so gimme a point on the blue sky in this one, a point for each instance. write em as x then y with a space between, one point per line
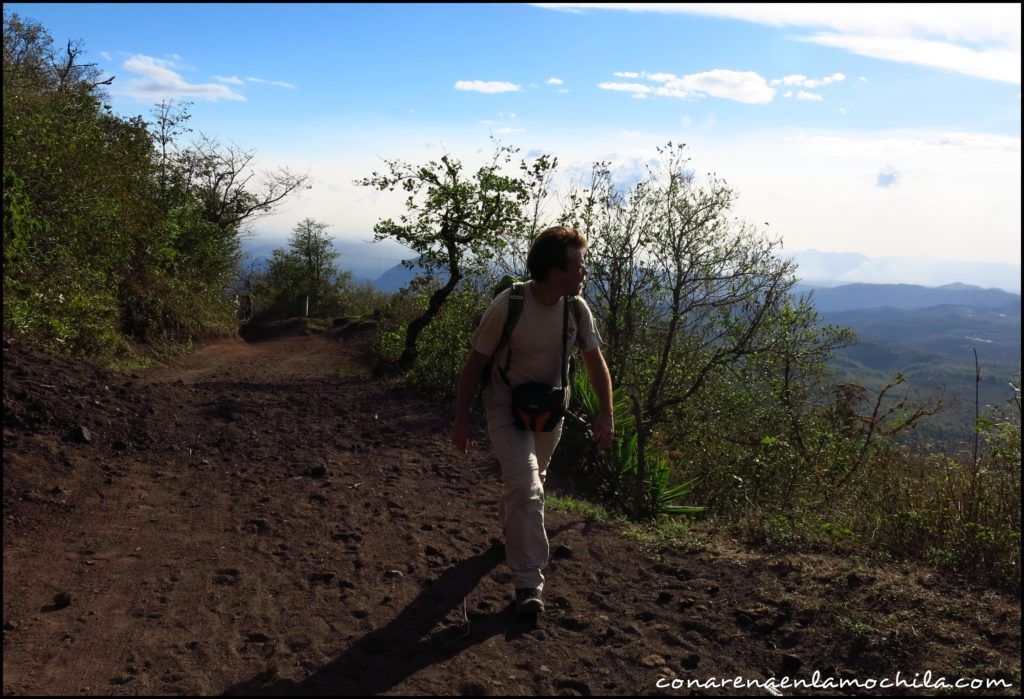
878 129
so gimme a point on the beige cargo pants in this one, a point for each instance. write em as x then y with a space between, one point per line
524 458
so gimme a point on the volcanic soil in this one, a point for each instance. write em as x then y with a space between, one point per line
266 518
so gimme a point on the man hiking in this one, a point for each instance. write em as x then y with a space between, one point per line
526 393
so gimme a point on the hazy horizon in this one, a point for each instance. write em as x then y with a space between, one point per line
369 260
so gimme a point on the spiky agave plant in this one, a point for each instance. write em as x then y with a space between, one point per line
614 471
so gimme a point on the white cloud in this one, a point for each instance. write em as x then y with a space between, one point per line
978 39
105 56
686 122
160 81
710 121
809 96
553 81
788 93
232 80
632 134
625 87
804 81
564 90
277 83
488 88
842 110
509 129
627 74
747 87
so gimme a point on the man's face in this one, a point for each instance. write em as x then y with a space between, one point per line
575 273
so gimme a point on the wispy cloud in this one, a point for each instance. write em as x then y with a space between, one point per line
553 81
1002 65
231 80
489 88
105 56
977 39
159 80
809 96
741 86
276 83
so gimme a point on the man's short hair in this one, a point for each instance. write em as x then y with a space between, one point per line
551 249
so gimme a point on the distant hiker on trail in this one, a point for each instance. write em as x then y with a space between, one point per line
525 373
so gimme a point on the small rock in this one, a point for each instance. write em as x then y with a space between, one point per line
82 434
61 600
653 661
393 574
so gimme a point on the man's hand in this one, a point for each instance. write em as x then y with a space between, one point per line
604 430
462 436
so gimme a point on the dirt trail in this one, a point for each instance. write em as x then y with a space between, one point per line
265 518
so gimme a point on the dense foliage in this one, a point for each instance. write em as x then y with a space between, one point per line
725 400
113 231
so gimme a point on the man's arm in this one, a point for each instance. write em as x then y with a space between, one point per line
471 373
601 380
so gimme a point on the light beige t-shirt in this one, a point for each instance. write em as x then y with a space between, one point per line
535 346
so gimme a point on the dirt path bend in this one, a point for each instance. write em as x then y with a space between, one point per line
265 518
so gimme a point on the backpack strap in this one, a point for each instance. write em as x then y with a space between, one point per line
516 300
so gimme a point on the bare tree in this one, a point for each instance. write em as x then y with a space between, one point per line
220 175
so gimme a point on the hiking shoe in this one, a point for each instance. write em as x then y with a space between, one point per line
528 601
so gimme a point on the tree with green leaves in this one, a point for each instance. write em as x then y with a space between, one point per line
116 230
306 268
453 220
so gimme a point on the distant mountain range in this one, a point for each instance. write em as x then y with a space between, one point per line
905 296
817 268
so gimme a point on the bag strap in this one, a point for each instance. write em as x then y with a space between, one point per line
565 341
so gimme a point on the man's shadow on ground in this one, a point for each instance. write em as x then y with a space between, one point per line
388 656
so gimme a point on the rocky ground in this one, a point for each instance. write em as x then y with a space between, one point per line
266 518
